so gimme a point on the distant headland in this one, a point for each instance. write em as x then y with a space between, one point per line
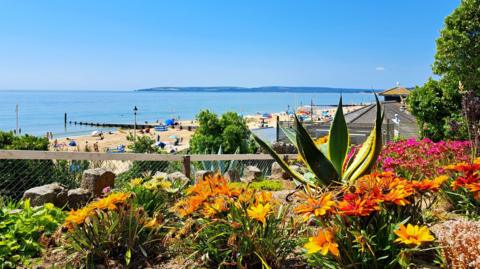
258 89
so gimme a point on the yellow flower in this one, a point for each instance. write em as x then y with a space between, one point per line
413 235
135 182
259 212
151 224
324 242
165 184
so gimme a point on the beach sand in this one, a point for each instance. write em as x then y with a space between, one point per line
119 137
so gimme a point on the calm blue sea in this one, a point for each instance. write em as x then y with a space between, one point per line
42 111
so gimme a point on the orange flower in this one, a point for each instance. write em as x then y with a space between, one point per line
468 174
264 197
219 205
358 206
432 185
317 207
324 243
413 235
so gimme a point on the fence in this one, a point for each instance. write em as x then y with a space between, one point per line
21 170
358 131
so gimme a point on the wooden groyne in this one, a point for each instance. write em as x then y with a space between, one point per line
129 125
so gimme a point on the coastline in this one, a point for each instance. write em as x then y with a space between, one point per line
112 139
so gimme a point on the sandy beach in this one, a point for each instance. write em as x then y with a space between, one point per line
112 140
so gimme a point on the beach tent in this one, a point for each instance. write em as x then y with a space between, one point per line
72 143
170 122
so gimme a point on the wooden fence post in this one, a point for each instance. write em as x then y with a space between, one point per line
277 138
186 165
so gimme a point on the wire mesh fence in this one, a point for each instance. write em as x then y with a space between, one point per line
22 170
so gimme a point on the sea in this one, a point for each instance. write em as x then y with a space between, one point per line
42 111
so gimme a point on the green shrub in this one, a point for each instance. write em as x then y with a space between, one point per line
264 185
21 227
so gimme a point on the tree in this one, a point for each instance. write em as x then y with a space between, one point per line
436 110
458 48
229 132
438 104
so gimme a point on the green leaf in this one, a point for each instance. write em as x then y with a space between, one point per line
280 161
338 140
315 159
128 256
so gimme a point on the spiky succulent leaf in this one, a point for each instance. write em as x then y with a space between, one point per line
296 176
338 140
317 162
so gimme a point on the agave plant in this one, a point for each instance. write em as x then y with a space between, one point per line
223 166
329 162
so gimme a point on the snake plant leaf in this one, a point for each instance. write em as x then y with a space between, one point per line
338 140
296 176
315 159
290 134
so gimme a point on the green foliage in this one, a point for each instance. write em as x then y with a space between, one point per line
33 172
156 194
437 109
143 144
240 242
229 132
126 236
21 227
264 185
458 54
332 165
437 104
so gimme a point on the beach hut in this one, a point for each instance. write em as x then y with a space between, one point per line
396 93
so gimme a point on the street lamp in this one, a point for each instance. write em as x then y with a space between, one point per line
135 109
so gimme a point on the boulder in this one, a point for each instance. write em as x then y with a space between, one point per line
95 180
232 176
178 177
78 198
202 174
251 173
278 172
54 193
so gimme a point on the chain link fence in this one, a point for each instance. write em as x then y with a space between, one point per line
22 170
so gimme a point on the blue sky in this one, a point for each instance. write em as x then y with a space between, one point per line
121 45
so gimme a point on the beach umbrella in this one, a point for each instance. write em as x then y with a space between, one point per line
170 122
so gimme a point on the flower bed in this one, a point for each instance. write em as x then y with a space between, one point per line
383 219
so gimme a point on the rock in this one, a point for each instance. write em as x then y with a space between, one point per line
95 180
232 176
178 176
160 175
78 198
53 193
252 173
278 172
202 174
284 148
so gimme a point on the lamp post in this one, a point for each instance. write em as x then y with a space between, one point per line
135 109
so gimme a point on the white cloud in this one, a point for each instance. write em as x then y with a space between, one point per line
380 68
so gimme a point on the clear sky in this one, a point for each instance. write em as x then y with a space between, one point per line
115 44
